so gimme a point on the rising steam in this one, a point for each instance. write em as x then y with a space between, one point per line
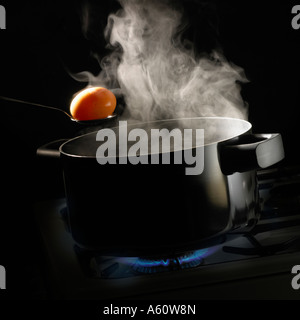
159 73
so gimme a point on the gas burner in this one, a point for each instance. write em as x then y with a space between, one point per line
109 267
187 260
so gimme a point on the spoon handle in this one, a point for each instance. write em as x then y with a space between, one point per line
33 104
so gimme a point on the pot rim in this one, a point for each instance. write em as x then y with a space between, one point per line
135 124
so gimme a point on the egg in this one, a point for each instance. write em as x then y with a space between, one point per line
92 104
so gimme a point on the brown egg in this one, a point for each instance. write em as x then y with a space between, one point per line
92 104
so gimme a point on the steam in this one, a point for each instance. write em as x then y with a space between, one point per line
159 73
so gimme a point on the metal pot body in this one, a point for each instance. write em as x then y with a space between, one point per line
155 209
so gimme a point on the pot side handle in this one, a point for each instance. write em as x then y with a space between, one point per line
50 149
250 151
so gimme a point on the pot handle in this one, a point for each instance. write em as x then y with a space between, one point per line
250 151
50 149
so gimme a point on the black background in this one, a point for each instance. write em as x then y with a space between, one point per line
44 41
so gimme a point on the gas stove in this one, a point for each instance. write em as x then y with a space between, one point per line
254 265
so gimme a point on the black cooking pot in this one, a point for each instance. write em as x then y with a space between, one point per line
153 209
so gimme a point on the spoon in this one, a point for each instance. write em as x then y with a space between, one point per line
83 122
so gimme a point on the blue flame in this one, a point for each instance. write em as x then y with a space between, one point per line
152 263
190 259
199 254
